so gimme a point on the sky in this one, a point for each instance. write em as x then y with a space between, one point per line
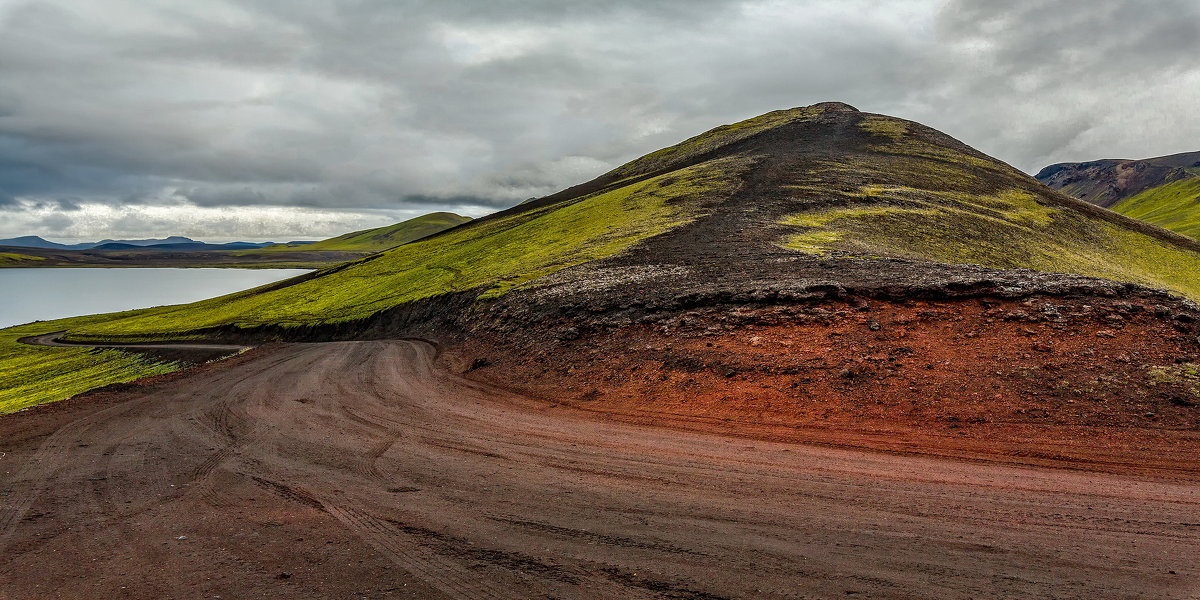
302 119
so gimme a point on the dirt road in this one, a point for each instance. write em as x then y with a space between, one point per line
360 470
51 339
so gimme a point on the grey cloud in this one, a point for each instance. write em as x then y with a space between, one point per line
374 105
56 222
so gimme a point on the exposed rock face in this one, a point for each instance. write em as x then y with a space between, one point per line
1107 182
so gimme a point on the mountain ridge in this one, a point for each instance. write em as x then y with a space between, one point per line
1164 191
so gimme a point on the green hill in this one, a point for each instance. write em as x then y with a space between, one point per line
380 238
818 197
1174 206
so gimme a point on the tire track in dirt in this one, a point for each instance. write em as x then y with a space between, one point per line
296 467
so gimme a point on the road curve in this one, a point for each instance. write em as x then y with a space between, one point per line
51 339
361 470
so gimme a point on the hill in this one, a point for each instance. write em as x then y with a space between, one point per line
774 200
33 241
383 238
815 265
1164 191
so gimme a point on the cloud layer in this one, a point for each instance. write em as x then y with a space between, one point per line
226 120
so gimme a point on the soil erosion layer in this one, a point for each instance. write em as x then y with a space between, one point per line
364 470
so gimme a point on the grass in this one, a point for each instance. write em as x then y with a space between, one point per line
32 375
1174 206
378 239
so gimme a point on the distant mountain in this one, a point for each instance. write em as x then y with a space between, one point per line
174 239
175 242
33 241
1108 181
1164 191
182 246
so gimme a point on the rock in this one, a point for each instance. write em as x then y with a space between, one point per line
1106 333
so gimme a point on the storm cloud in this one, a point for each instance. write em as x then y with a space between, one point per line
286 118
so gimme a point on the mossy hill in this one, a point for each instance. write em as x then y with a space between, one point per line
379 238
1164 191
818 197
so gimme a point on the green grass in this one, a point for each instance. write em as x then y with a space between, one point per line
378 239
1174 206
492 256
32 375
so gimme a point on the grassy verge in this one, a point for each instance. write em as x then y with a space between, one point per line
32 375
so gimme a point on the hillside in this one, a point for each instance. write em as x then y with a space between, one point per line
797 267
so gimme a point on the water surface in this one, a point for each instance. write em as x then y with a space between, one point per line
43 294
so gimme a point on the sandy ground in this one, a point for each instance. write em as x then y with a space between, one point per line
361 470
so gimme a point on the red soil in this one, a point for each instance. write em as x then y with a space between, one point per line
1046 381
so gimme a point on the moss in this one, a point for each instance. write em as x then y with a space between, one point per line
691 148
1185 375
884 126
1174 206
1009 229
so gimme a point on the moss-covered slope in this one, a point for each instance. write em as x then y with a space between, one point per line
915 198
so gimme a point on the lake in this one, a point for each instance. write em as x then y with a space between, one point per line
43 294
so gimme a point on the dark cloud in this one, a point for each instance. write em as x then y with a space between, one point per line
373 108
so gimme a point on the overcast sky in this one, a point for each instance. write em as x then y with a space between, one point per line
301 119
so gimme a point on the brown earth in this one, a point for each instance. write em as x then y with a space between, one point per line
364 470
1038 381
